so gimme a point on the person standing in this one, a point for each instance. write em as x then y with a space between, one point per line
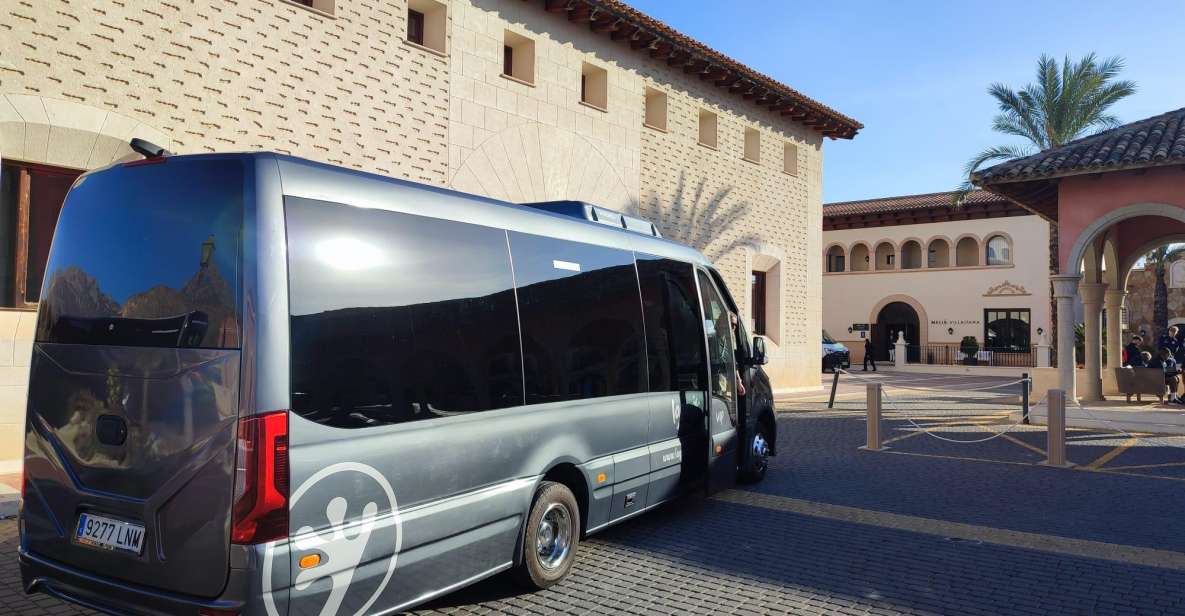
1168 340
869 354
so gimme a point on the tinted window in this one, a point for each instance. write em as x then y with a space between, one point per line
398 317
721 343
581 319
148 255
674 338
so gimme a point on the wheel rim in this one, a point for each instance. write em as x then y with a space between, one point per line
553 537
760 452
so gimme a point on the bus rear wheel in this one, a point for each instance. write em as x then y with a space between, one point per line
550 537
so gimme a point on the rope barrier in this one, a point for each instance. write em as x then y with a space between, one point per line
956 440
902 412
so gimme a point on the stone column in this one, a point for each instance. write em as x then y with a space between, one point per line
1092 305
1065 289
1113 302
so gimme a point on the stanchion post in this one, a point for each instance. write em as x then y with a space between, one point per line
1025 384
1055 448
874 418
834 384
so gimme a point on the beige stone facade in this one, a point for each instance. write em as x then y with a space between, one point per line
341 83
979 272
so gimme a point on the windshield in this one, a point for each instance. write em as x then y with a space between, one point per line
148 255
827 339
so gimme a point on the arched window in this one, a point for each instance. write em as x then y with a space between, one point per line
911 255
1177 275
999 251
860 260
886 256
967 252
938 255
835 259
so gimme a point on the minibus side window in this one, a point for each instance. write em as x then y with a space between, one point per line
396 317
581 319
674 338
721 342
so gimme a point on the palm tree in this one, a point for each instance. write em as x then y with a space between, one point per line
1159 260
1068 101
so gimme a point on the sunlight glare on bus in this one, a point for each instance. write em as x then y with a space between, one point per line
350 254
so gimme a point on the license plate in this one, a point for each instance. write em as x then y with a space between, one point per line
110 534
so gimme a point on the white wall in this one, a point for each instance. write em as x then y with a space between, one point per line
953 297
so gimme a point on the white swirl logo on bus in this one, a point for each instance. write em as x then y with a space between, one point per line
357 531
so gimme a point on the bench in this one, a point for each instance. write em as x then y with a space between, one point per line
1138 381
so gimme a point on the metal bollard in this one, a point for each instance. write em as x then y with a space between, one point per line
1055 448
834 385
1025 385
874 418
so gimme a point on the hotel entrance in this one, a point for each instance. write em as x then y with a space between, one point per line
895 318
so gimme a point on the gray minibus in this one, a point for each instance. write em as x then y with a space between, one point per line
263 385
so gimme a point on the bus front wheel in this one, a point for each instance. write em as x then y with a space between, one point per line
550 537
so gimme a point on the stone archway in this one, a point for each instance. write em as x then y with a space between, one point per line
533 162
62 133
1092 231
921 320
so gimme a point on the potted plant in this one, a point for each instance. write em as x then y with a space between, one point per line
970 348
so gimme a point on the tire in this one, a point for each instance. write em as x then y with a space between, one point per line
549 549
757 458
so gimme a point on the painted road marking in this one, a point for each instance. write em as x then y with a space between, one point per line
1013 439
1111 455
1137 466
1130 554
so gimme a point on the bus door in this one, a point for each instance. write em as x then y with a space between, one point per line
722 395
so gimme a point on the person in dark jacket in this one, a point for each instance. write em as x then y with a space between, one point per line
1172 374
1168 340
869 354
1133 353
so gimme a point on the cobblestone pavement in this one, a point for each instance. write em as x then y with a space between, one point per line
1029 540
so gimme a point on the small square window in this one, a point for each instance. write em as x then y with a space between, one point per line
594 86
707 128
656 109
427 24
753 145
323 6
415 26
790 159
518 57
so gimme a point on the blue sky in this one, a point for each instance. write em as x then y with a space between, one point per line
916 73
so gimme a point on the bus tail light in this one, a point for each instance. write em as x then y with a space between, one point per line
260 512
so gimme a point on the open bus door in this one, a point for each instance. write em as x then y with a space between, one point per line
721 409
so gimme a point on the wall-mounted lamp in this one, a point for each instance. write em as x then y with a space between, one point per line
1040 331
950 331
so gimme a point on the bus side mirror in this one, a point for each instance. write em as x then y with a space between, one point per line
759 358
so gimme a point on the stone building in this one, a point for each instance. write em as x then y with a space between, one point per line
913 265
1141 300
523 101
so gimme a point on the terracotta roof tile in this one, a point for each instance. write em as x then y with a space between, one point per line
906 203
817 115
1152 142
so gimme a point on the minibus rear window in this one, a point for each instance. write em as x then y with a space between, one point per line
148 255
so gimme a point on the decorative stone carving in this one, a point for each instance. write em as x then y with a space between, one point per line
1007 289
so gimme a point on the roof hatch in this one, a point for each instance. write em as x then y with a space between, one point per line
599 215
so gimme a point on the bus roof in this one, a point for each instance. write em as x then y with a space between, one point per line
324 182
